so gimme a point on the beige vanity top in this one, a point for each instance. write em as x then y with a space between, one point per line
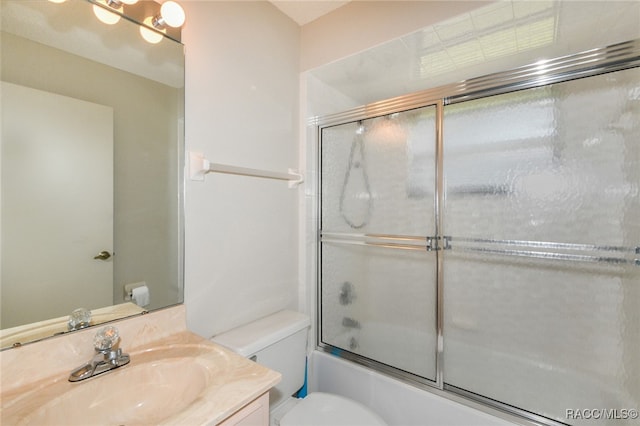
43 329
174 378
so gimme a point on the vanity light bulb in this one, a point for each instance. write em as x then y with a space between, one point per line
129 2
172 14
59 1
105 16
149 35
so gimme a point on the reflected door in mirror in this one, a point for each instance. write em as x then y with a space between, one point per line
57 204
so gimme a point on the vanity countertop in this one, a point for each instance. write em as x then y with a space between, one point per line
216 382
56 326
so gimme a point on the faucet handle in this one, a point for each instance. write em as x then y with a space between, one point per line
79 318
106 338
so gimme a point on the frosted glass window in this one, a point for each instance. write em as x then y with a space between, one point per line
542 290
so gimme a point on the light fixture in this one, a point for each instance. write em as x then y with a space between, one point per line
171 15
156 19
116 4
57 1
148 34
106 16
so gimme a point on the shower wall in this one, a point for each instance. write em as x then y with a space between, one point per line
537 256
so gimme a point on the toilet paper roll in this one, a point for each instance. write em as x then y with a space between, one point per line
140 296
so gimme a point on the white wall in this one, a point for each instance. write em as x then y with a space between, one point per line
241 238
469 43
361 25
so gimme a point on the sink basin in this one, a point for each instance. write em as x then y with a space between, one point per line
145 391
158 384
174 378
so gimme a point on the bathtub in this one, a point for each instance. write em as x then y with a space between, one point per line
398 403
402 404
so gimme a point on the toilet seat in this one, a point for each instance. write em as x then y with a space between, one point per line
325 409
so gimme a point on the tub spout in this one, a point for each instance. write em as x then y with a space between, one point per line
350 322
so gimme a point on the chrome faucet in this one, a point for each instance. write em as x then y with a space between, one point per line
106 359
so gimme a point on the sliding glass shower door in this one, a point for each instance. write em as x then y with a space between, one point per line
542 218
378 292
490 247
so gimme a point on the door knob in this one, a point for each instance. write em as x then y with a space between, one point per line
103 255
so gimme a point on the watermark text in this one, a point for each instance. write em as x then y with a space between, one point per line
601 413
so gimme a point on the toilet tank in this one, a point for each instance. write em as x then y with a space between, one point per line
279 342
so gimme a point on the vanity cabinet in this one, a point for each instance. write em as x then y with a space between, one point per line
255 413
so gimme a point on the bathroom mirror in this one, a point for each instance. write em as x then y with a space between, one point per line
92 148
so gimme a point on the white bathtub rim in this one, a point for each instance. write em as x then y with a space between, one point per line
450 400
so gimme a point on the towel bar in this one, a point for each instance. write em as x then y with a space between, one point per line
199 166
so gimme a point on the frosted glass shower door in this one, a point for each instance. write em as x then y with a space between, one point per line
378 279
542 218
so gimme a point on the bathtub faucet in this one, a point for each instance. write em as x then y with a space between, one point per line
346 293
350 322
106 359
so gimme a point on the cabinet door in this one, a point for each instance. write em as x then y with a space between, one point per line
253 414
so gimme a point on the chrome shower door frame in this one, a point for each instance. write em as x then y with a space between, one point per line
589 63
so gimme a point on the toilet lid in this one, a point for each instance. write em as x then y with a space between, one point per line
324 409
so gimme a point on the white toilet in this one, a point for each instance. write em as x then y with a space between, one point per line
279 342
